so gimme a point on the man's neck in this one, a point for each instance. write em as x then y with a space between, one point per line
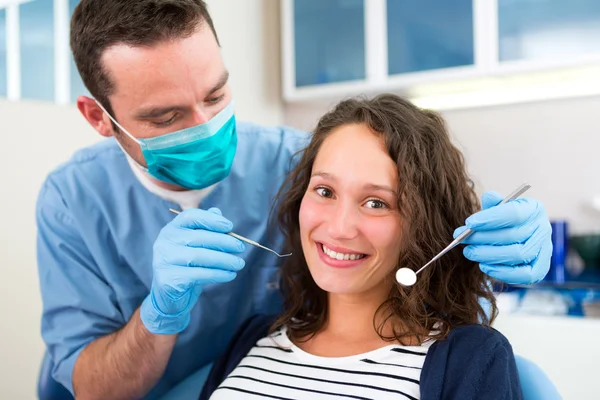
161 184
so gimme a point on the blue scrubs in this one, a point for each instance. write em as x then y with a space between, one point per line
96 228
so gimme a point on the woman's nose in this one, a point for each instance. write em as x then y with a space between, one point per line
343 221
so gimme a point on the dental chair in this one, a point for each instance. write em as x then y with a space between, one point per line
535 383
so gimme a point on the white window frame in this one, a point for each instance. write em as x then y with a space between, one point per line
62 54
13 53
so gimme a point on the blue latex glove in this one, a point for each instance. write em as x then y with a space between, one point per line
512 242
190 252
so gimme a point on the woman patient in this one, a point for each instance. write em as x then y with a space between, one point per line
380 187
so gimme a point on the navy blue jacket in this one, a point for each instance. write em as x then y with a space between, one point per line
474 362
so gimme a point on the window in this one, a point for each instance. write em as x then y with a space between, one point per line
329 41
37 50
429 34
548 29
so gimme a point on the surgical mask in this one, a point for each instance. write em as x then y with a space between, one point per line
193 158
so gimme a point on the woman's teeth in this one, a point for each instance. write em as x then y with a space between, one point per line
341 256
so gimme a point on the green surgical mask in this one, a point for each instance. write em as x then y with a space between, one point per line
193 158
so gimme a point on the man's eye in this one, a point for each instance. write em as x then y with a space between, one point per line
167 122
324 192
215 100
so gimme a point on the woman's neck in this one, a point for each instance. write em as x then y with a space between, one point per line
353 316
351 325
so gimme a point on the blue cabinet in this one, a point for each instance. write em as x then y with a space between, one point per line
37 50
429 34
329 41
548 29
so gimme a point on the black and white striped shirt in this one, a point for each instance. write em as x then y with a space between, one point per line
277 369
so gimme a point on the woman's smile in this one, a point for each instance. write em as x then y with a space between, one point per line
339 257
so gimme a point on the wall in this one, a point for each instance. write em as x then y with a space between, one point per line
249 34
553 145
553 343
39 136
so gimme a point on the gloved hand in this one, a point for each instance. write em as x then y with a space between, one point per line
512 242
191 251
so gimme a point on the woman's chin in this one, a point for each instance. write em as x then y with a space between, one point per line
336 284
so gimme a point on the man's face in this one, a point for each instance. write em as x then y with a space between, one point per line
167 87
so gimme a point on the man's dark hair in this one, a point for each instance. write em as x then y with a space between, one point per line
99 24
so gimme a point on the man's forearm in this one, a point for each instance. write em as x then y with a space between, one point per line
122 365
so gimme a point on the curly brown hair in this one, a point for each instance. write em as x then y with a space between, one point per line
435 196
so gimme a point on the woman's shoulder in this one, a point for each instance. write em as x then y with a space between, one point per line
259 322
466 360
477 332
254 329
474 338
466 344
463 343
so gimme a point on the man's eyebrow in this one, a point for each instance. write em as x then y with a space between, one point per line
157 112
222 82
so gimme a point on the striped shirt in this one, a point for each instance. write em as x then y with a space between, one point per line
277 369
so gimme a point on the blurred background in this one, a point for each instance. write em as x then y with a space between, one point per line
518 82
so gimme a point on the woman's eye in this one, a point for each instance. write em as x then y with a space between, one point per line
376 204
324 192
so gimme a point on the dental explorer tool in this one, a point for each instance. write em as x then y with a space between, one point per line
243 239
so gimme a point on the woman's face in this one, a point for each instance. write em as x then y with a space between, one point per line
349 221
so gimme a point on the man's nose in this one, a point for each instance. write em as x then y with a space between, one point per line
200 116
343 221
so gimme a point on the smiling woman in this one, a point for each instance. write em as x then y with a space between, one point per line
380 187
382 179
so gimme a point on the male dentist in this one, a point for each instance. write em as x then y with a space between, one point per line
135 299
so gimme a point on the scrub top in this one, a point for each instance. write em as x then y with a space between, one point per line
97 224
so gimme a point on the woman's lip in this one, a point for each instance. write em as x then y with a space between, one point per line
335 262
